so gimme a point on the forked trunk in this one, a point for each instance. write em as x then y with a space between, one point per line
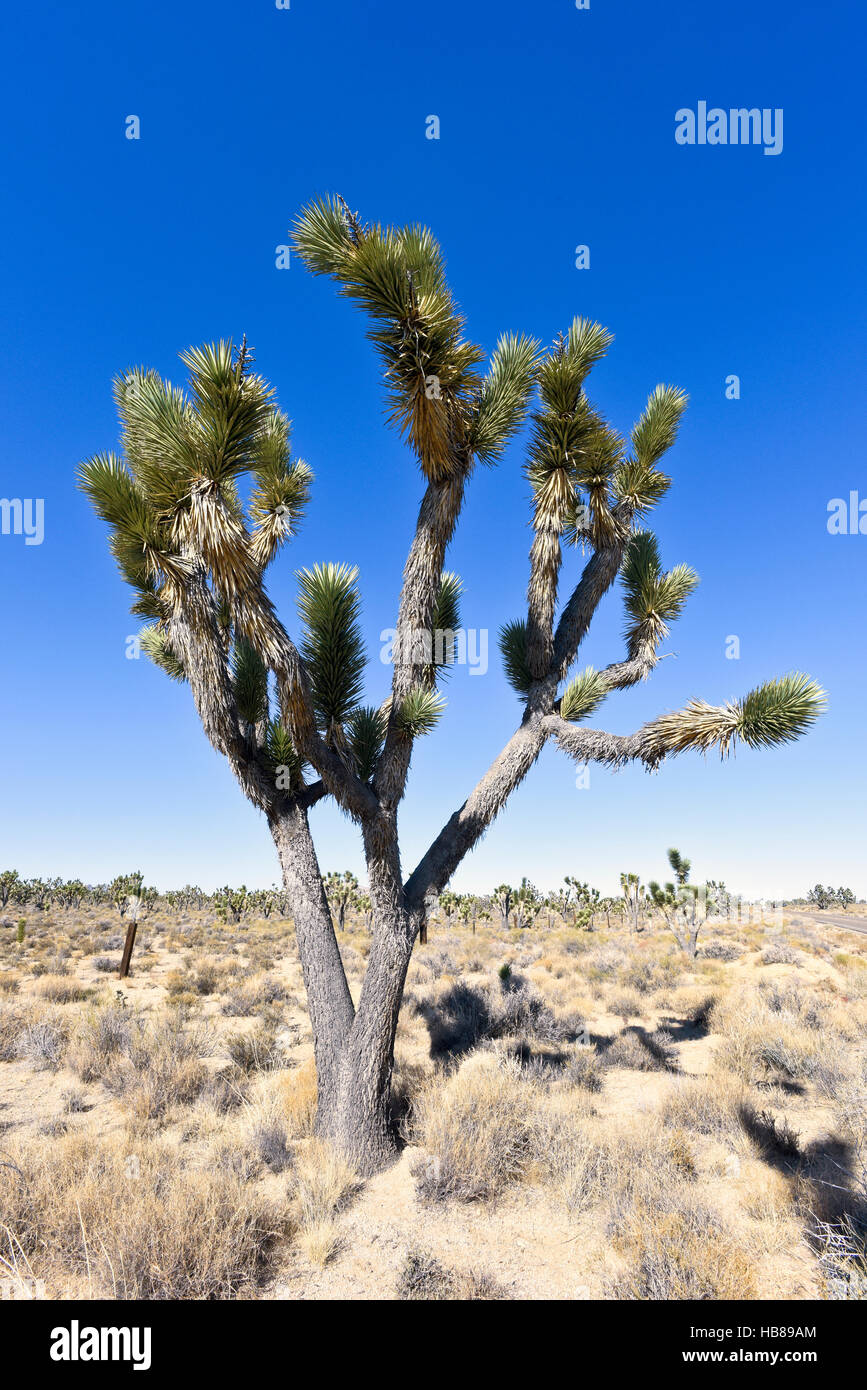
354 1050
360 1123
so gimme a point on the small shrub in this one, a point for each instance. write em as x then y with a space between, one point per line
59 989
780 953
721 950
636 1050
322 1185
477 1130
679 1249
584 1069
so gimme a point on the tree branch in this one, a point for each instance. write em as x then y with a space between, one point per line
599 574
467 825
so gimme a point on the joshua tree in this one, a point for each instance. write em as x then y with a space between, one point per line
821 897
469 909
9 881
528 903
634 895
678 903
341 889
449 905
198 559
503 898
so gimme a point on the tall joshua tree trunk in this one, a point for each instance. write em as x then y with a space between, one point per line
353 1049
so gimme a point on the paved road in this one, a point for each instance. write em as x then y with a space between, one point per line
849 920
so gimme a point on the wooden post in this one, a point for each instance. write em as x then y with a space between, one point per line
127 949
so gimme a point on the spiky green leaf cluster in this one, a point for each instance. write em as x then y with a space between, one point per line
249 682
573 451
397 275
445 622
656 430
365 729
503 397
513 646
419 712
172 499
583 695
281 753
637 481
777 712
282 489
653 598
781 710
332 647
156 645
566 425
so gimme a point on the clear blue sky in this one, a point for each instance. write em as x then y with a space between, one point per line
557 129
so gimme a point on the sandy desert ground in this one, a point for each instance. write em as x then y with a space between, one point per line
583 1115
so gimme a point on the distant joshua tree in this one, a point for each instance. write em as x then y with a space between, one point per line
288 714
341 890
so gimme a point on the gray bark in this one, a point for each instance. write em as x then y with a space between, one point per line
328 999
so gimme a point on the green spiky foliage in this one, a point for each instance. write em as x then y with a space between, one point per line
502 401
420 712
573 450
777 712
281 492
283 757
365 730
681 867
171 496
638 481
445 621
513 646
573 454
583 695
653 598
397 275
333 648
156 645
249 682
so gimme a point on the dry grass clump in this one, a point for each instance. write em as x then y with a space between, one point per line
322 1186
478 1130
635 1049
712 1107
626 1004
648 974
299 1099
842 1253
261 1050
256 1139
159 1066
466 1014
584 1069
32 1033
604 963
423 1277
677 1247
59 989
103 1034
763 1038
89 1216
248 998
